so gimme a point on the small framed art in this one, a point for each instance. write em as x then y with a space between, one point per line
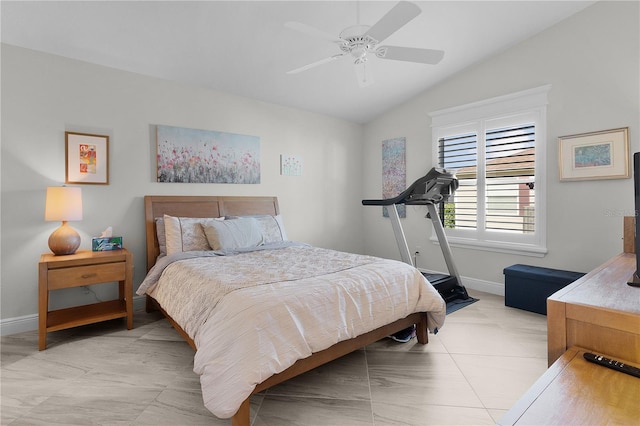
290 165
596 155
87 158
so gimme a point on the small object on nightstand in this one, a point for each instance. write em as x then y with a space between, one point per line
106 244
82 269
106 241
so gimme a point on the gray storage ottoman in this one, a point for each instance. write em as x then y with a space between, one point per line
527 287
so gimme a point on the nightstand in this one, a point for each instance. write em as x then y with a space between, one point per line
81 269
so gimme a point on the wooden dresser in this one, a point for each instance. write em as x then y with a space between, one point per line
574 391
599 311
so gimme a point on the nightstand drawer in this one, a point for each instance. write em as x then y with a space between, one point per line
86 275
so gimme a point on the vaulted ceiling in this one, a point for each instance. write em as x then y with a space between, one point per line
244 47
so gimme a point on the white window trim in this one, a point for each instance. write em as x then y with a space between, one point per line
501 107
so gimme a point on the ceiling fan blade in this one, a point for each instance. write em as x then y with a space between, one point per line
311 31
396 18
315 64
364 74
410 54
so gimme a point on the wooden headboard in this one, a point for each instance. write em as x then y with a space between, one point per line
198 206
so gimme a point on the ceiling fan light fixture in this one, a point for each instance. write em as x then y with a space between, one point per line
361 59
359 52
359 40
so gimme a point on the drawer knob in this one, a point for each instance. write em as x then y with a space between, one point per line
85 276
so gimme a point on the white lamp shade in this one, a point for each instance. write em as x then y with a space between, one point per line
63 203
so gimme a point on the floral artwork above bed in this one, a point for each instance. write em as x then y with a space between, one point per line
206 156
394 172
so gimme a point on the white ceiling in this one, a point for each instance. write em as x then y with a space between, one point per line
243 47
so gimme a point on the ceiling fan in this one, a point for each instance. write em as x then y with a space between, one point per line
362 41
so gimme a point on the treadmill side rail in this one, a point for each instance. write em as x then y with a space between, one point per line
405 254
444 246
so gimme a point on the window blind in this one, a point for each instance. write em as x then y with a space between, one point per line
510 179
504 170
460 153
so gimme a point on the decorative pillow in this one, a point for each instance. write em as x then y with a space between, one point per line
162 239
272 227
233 234
186 233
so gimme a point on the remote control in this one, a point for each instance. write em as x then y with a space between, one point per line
613 364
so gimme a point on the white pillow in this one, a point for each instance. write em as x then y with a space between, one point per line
272 227
233 234
186 233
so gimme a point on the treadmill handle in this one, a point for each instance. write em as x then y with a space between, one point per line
385 202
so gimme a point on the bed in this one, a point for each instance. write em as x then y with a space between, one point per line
394 298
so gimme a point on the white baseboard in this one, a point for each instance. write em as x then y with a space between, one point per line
17 325
476 284
484 286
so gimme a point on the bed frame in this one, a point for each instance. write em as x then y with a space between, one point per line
213 206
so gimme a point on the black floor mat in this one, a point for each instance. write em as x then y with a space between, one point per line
457 304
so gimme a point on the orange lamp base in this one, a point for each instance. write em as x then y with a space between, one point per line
64 240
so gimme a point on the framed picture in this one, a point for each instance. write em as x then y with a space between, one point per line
290 165
596 155
206 156
87 158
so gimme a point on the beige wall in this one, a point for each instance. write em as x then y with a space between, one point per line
44 95
592 61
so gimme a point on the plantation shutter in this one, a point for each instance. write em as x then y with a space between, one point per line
510 179
507 178
460 153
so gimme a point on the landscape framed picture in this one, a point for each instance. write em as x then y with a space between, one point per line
87 158
187 155
595 155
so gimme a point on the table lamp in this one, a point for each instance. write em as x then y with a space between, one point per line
63 204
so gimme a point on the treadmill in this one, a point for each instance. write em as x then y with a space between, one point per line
434 187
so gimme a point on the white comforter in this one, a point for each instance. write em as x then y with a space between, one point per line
254 314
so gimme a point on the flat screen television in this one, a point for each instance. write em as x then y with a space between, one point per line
635 279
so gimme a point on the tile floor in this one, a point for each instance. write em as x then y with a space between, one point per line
483 359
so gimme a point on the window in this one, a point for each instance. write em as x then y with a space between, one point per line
497 149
